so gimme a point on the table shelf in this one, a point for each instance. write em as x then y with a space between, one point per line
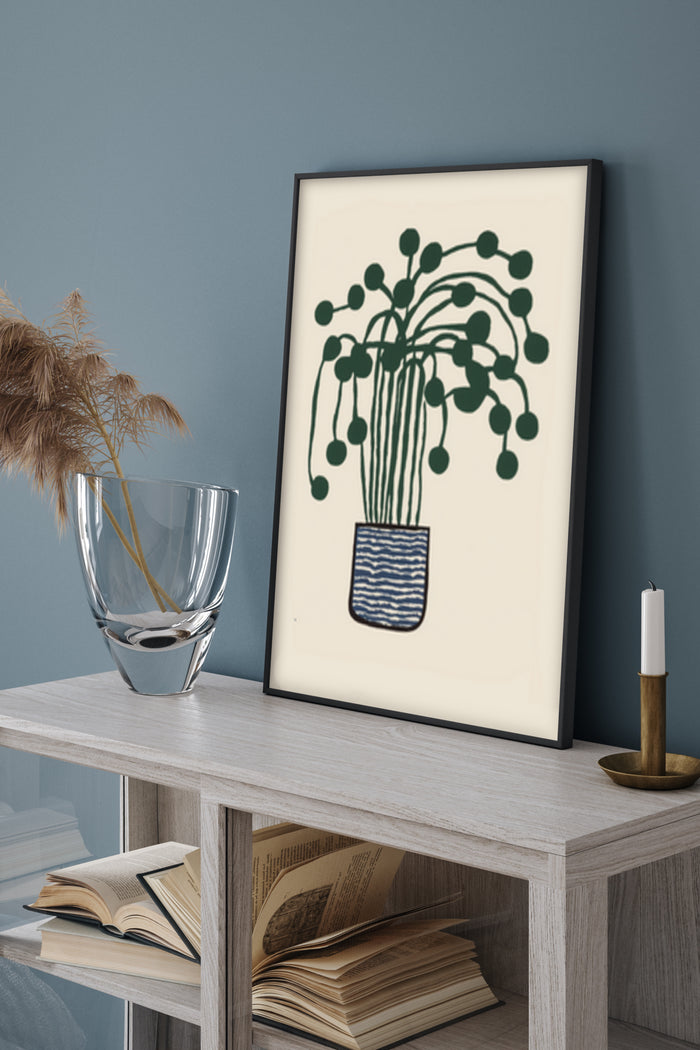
548 820
22 944
505 1028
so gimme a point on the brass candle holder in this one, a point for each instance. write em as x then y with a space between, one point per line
652 768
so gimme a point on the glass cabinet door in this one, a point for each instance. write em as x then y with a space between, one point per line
52 814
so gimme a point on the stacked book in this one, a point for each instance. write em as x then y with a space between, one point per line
104 916
327 961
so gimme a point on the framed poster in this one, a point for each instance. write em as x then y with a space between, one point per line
427 535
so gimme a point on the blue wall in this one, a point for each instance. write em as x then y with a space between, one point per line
148 151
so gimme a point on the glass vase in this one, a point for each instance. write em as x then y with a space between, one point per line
155 557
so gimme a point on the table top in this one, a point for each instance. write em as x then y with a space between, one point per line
522 794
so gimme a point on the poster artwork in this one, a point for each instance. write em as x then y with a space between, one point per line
446 339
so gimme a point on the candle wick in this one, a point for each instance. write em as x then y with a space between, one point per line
652 585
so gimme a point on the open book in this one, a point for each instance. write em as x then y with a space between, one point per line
376 989
326 961
107 893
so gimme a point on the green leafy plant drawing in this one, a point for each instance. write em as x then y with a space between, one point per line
438 318
447 339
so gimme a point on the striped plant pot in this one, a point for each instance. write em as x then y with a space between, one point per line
389 576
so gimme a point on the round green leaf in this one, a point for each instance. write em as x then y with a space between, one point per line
438 459
356 296
503 367
487 244
374 277
435 391
527 426
431 257
319 487
324 312
463 293
520 302
336 452
409 242
343 369
507 465
536 348
357 430
520 265
403 292
499 419
478 327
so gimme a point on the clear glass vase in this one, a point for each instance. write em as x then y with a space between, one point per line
155 557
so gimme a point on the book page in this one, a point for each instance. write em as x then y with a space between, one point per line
193 867
346 955
178 890
282 846
145 919
330 893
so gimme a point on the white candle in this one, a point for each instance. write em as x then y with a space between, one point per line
653 632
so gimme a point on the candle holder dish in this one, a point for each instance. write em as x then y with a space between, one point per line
652 768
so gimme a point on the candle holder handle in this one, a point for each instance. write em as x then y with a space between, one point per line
652 698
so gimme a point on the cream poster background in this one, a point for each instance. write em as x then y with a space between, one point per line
488 652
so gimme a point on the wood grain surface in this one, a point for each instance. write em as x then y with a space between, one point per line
531 836
501 790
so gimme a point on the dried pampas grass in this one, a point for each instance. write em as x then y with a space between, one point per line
63 406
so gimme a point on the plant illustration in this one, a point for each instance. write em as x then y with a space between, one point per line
447 338
64 408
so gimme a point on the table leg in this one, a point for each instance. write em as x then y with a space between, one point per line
227 892
568 964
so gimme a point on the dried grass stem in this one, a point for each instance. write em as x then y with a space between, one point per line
65 409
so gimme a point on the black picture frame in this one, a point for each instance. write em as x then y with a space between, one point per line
423 303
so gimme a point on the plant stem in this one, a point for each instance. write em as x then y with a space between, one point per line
129 549
138 555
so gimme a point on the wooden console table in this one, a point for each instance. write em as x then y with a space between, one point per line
551 818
